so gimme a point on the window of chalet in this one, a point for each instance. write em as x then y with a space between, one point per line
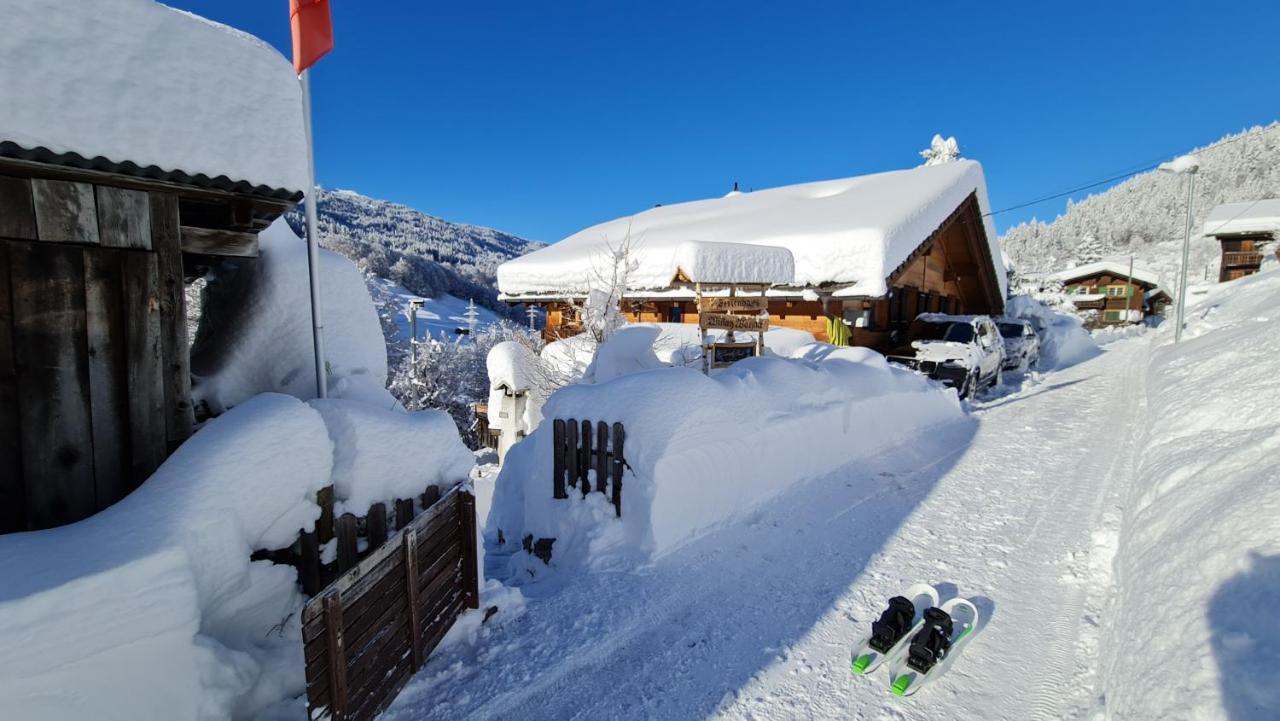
1117 291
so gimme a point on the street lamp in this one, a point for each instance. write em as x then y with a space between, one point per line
1184 165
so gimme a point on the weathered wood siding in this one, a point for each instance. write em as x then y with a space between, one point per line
94 380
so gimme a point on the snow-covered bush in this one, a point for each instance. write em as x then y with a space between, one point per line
1198 567
255 331
941 150
704 450
451 375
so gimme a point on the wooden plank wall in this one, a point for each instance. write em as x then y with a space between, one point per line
94 379
367 633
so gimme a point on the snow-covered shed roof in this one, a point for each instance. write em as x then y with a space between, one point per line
1251 216
1113 267
133 86
849 231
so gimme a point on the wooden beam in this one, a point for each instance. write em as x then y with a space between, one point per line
13 514
207 241
17 209
165 240
124 218
53 382
144 363
108 392
65 212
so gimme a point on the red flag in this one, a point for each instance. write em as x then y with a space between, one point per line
312 31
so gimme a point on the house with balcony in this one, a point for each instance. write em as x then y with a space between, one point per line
1246 231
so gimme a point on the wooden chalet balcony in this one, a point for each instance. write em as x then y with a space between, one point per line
1242 258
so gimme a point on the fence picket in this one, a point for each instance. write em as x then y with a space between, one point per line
557 459
571 451
347 548
376 525
584 459
602 456
619 436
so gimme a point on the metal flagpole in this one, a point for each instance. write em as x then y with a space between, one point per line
313 242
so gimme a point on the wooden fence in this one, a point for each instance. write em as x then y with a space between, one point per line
374 626
575 456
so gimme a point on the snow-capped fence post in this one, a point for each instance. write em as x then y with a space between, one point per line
584 463
619 463
557 461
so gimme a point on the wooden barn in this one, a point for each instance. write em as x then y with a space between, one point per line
1245 231
118 182
1118 294
871 252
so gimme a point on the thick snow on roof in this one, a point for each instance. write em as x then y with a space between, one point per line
854 230
1114 267
1252 216
135 81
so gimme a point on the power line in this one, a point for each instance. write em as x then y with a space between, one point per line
1152 165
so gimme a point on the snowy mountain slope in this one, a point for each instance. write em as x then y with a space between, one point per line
424 254
1146 215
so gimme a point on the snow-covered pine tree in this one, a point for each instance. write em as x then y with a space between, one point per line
941 150
1090 250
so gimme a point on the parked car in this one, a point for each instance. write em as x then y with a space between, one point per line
1021 343
962 351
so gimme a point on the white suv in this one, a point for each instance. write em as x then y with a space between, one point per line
965 352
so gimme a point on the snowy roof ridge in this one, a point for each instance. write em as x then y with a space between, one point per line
851 231
1250 216
1115 267
136 87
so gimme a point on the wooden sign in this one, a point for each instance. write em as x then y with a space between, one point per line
723 354
724 321
742 302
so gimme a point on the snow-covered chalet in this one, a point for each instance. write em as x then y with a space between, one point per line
871 252
1113 292
1245 231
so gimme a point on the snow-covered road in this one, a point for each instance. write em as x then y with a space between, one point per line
1014 508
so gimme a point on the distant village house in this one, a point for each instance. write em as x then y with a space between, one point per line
1116 294
1245 231
870 253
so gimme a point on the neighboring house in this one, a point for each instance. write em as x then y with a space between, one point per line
1244 230
139 146
870 251
1116 294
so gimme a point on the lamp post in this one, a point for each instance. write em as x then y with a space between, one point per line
1184 165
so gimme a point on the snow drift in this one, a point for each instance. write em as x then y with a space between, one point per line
151 609
1063 340
135 81
705 450
255 331
1198 568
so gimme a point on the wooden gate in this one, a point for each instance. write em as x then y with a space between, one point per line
575 456
373 627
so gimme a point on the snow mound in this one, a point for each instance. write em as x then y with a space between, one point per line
151 608
703 451
1198 565
382 455
133 80
853 230
1063 340
628 350
255 334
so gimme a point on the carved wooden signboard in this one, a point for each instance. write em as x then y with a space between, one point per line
736 303
724 321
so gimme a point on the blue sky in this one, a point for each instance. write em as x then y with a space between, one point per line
540 118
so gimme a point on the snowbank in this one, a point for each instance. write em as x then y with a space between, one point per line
1063 340
133 80
705 450
1194 634
854 230
255 334
381 455
151 609
628 350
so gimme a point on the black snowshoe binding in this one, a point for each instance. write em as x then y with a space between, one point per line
893 624
932 643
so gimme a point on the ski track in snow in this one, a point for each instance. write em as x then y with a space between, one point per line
755 621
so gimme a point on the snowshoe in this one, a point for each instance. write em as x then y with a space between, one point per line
892 632
933 648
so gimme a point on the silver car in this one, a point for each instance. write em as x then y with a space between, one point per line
1021 344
